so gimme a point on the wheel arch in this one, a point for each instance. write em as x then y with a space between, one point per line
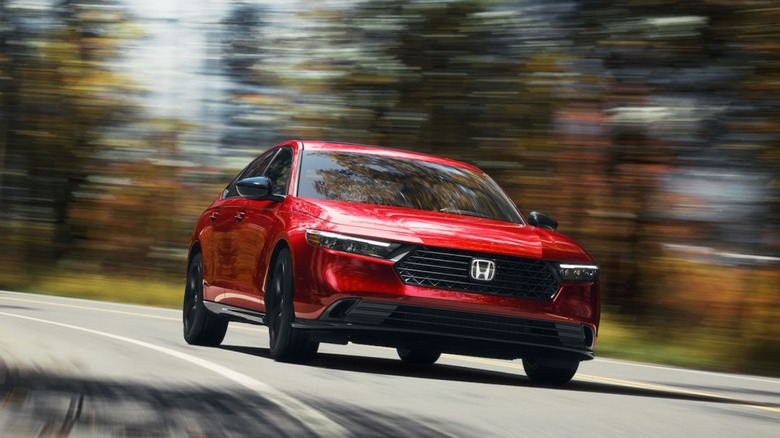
194 249
278 247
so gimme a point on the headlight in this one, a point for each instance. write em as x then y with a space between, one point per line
355 245
571 272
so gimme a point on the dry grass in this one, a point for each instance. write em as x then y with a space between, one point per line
153 291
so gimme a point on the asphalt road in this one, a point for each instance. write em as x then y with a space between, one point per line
83 368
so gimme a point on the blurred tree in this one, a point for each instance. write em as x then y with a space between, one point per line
437 53
243 41
250 119
7 94
60 95
677 109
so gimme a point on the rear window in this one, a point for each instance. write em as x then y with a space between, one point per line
391 181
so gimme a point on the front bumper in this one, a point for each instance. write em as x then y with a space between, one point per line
451 331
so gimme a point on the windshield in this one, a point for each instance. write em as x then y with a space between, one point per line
383 180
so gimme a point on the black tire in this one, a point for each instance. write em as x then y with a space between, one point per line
418 356
550 371
287 344
201 327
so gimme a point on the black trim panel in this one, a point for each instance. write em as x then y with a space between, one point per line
234 313
480 334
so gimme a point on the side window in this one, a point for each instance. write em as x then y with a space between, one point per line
279 171
255 168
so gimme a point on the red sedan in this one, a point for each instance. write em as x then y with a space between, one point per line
343 243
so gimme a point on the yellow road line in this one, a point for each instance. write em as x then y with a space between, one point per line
74 306
675 390
120 312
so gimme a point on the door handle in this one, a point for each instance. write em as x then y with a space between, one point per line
213 216
240 216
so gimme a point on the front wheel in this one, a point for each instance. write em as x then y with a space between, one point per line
201 327
550 370
287 344
418 356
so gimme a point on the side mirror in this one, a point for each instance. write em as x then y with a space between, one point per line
542 221
258 187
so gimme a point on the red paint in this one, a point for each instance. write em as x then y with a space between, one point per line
237 251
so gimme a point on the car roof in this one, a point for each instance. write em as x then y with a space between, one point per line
378 150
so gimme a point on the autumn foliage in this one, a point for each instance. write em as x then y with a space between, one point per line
648 128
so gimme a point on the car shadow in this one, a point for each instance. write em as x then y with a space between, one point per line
12 307
394 367
439 371
45 403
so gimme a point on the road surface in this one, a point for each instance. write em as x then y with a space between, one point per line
73 367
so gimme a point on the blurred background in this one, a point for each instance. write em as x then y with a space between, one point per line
649 128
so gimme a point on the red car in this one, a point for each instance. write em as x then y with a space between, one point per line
343 243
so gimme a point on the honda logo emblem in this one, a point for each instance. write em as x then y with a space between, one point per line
482 269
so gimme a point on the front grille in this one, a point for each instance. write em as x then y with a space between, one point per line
449 269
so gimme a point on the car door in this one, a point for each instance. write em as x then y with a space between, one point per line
216 251
251 236
224 219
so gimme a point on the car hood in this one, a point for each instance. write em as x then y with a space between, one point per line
444 230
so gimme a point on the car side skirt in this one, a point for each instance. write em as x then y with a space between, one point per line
234 313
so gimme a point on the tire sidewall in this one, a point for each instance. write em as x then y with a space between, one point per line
550 371
281 303
196 313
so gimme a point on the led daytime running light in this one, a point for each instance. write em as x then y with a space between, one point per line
578 272
351 244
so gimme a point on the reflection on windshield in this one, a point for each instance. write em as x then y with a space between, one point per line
383 180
